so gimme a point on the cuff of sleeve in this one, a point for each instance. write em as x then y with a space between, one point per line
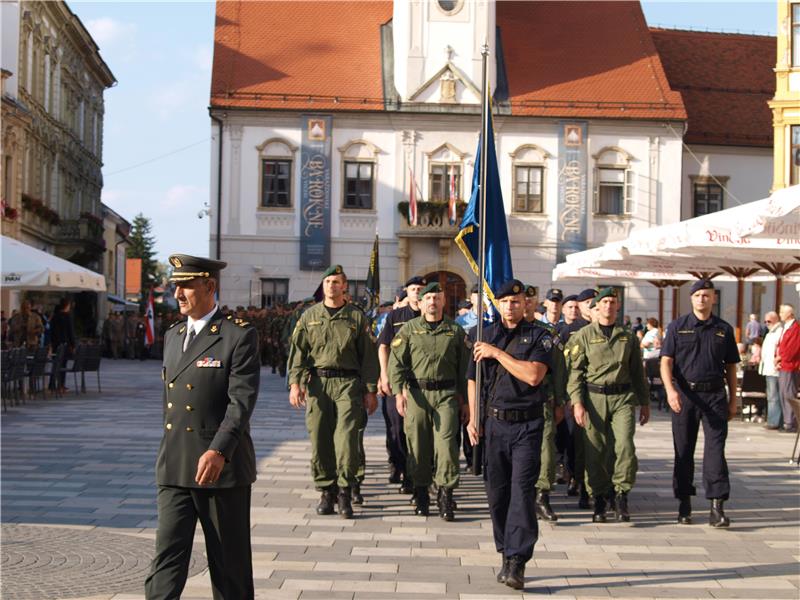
372 388
225 444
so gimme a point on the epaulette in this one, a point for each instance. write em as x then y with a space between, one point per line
175 323
543 325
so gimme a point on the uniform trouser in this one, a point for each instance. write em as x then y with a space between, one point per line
788 381
334 415
224 515
774 410
611 426
511 453
576 460
547 467
710 408
431 425
362 455
395 436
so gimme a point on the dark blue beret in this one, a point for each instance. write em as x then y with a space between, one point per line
587 294
416 280
554 294
702 284
510 288
570 298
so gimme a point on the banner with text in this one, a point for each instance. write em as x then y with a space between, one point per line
573 166
315 192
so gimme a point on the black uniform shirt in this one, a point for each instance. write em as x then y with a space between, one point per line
700 349
394 321
565 330
533 344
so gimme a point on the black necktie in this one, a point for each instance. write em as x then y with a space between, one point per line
189 337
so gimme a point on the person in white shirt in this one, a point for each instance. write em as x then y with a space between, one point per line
769 370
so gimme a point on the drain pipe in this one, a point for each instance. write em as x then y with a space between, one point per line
219 188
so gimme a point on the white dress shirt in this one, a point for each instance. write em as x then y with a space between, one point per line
197 325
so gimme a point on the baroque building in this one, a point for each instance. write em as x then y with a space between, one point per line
54 80
601 124
786 103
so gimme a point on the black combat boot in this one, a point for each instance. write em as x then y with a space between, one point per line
395 476
503 573
327 500
446 504
685 510
407 486
543 509
572 488
717 517
356 494
599 515
621 507
584 501
516 572
345 503
423 501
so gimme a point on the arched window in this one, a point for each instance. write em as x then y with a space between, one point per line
614 191
359 174
275 156
529 170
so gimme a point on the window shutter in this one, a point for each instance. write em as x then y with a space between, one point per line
596 194
630 193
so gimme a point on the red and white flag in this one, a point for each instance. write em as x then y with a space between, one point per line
149 321
412 199
451 203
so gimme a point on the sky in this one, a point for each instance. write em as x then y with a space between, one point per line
157 140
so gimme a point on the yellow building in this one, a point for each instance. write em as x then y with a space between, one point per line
786 103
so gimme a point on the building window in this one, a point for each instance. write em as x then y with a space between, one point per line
613 192
359 185
796 35
276 177
794 154
707 198
274 292
445 181
528 189
358 290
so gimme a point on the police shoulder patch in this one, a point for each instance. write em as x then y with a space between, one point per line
397 341
547 342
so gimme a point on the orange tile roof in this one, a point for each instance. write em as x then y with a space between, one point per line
726 81
562 59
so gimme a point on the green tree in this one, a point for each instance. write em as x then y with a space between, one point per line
142 245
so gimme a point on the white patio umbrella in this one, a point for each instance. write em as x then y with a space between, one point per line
25 267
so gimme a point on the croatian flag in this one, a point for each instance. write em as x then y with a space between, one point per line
451 204
149 321
412 199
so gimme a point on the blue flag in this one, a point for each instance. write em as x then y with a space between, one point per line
497 262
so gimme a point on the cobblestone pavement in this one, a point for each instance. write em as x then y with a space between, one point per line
78 514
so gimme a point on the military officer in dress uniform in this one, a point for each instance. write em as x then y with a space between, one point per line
396 443
206 463
427 369
698 357
515 357
606 382
332 372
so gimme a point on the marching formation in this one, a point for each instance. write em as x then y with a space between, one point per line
561 379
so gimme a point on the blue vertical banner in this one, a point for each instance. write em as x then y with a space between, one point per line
315 192
573 205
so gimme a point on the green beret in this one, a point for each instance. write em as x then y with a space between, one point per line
432 288
608 292
186 267
333 270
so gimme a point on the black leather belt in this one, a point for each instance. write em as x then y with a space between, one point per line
706 386
614 388
431 384
517 415
334 372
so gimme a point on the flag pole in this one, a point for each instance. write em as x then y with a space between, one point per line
476 457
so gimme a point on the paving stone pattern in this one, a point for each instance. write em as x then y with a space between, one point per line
78 514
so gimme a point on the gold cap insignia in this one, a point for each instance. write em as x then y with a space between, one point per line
176 262
338 270
516 289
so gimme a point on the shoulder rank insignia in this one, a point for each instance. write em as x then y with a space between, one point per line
182 329
214 328
174 324
720 333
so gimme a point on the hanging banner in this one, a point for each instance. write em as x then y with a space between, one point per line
573 208
315 192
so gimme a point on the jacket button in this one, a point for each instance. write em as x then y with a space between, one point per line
169 404
189 407
189 386
189 429
169 425
171 385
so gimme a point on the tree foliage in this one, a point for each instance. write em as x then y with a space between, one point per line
142 245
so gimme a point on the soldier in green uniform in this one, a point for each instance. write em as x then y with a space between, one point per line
427 370
333 373
206 463
606 382
555 384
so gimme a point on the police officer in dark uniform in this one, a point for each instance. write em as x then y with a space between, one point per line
206 463
395 434
515 357
698 357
